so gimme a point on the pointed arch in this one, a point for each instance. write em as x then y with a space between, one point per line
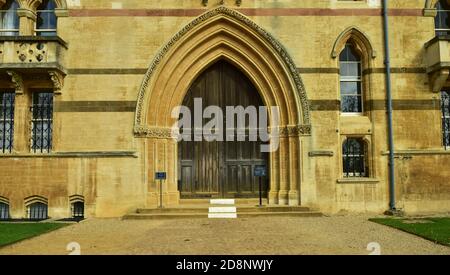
4 200
35 199
76 198
359 38
221 33
431 4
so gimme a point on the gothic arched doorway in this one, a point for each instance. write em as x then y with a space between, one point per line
221 168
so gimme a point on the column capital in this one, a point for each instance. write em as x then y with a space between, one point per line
28 13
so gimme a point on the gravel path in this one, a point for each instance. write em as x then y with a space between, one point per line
274 235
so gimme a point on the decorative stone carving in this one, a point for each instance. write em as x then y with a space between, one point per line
205 2
58 81
224 11
29 4
17 80
294 130
31 52
438 79
238 3
154 132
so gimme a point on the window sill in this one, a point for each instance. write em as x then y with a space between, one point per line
358 181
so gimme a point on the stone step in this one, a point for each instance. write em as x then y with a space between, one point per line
161 216
229 209
222 215
208 201
222 202
205 209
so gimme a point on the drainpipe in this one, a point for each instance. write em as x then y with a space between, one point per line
387 63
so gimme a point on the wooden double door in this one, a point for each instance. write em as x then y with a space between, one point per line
221 168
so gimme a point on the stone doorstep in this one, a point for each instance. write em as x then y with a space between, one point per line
203 211
200 209
167 216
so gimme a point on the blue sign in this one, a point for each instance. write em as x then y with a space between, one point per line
161 175
260 171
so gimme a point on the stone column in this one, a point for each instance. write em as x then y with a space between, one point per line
27 21
294 170
27 15
162 157
283 195
274 177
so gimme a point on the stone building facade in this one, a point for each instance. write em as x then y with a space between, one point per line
88 89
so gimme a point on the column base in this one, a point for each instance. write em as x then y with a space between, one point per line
294 198
283 197
273 197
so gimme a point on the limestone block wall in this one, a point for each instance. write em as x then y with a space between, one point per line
110 46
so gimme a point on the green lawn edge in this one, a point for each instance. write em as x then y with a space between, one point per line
55 226
398 224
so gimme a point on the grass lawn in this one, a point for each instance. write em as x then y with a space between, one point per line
433 229
14 232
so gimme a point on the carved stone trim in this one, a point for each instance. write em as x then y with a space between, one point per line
31 5
154 132
17 80
222 10
295 130
58 81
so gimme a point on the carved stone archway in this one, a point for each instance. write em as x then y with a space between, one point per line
223 33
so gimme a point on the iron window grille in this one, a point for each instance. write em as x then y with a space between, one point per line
46 21
9 19
7 122
42 122
4 211
446 118
38 211
78 210
442 20
355 158
351 81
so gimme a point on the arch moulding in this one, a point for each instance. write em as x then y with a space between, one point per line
223 34
359 37
233 44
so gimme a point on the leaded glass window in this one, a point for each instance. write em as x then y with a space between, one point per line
442 20
78 210
355 158
42 122
38 211
6 121
351 81
4 211
46 21
446 117
9 19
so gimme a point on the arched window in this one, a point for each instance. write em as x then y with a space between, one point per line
442 21
46 21
7 99
78 210
445 98
355 162
4 211
37 211
9 19
351 80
